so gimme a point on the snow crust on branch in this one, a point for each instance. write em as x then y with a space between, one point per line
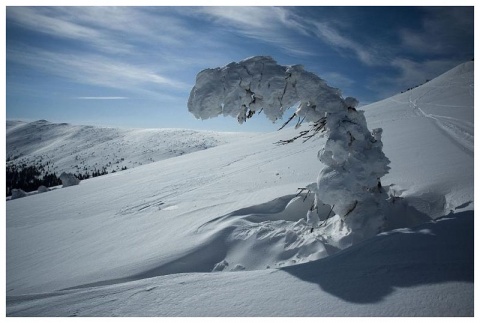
354 159
259 83
353 155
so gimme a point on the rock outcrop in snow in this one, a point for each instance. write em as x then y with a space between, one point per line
353 155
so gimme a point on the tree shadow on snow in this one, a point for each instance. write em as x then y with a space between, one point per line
432 253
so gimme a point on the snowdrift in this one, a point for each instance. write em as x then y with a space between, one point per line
424 271
220 231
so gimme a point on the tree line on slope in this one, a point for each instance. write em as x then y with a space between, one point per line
31 177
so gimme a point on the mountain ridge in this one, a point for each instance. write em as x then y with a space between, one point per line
61 147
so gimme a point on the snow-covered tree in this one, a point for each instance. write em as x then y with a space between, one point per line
68 179
42 189
18 193
353 155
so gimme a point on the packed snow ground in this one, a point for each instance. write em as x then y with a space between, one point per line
79 149
220 232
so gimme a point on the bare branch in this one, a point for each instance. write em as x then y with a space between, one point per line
328 216
353 208
299 122
315 128
287 122
301 191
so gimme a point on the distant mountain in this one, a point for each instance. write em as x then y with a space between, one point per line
61 147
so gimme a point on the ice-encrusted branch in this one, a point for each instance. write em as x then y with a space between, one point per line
227 90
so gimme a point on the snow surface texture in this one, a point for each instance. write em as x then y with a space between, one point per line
144 242
353 156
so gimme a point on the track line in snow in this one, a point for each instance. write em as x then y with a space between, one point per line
455 129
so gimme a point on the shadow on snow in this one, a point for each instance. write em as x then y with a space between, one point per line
432 253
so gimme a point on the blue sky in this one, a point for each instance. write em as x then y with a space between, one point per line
135 66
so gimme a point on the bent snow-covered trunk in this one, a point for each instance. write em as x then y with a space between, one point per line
352 154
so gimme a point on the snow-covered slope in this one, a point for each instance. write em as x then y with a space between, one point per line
146 240
80 149
429 138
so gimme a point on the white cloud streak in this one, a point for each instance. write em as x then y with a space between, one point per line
47 21
281 26
117 47
106 29
111 41
333 37
93 69
273 25
101 98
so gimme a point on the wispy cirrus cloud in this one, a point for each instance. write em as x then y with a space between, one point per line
49 21
157 51
282 26
105 29
274 25
93 69
101 98
332 36
166 33
130 48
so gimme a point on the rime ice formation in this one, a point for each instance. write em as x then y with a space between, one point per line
259 83
352 154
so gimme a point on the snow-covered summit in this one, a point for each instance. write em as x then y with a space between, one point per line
79 149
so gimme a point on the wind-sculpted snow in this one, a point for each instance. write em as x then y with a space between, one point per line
422 271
